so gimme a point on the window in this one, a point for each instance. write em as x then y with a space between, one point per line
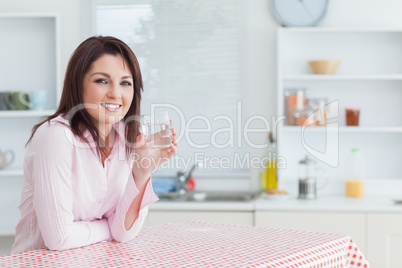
190 53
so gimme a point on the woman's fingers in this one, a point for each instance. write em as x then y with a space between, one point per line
172 151
141 140
174 134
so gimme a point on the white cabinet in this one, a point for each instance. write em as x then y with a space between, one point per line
229 217
384 240
369 77
29 52
351 224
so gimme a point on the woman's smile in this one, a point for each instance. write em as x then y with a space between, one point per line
111 107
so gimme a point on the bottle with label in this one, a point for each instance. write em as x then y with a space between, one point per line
355 174
268 175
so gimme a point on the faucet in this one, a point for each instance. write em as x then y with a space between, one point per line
182 178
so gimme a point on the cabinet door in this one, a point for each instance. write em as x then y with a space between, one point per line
241 218
5 244
353 225
384 239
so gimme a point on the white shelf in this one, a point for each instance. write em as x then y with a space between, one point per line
369 78
327 77
346 129
25 113
11 173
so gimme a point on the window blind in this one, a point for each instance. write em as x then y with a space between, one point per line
190 54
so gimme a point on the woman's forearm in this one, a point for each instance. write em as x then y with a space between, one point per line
141 179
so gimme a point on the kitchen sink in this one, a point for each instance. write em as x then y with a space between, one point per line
208 196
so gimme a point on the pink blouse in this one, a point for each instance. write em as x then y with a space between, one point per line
69 199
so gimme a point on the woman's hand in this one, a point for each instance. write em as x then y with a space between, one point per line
147 160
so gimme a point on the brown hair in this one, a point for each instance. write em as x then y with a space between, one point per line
80 63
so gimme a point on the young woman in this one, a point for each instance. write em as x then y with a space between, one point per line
84 177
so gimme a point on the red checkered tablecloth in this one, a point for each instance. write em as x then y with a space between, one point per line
204 244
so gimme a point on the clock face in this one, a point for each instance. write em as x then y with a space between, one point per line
299 12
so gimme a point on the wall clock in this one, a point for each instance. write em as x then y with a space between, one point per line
299 13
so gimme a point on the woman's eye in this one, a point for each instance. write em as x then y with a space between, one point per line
101 81
126 83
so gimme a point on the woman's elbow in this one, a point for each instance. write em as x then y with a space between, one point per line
56 247
123 237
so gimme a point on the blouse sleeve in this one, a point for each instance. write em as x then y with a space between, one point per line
51 150
117 217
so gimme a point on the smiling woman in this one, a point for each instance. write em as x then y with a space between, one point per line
108 91
82 185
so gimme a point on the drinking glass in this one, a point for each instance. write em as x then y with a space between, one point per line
156 129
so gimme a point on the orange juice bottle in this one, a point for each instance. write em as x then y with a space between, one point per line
355 174
354 188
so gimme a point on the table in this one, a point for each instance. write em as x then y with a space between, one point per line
204 244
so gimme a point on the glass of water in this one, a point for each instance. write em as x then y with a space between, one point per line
157 131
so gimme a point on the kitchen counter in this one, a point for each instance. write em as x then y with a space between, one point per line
330 203
334 203
201 205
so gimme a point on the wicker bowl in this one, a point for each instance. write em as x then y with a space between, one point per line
324 66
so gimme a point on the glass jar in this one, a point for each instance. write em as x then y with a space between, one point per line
352 116
320 110
295 100
313 114
305 117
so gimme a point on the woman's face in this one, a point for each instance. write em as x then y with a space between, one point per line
108 91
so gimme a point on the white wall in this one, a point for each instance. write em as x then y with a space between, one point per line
363 13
